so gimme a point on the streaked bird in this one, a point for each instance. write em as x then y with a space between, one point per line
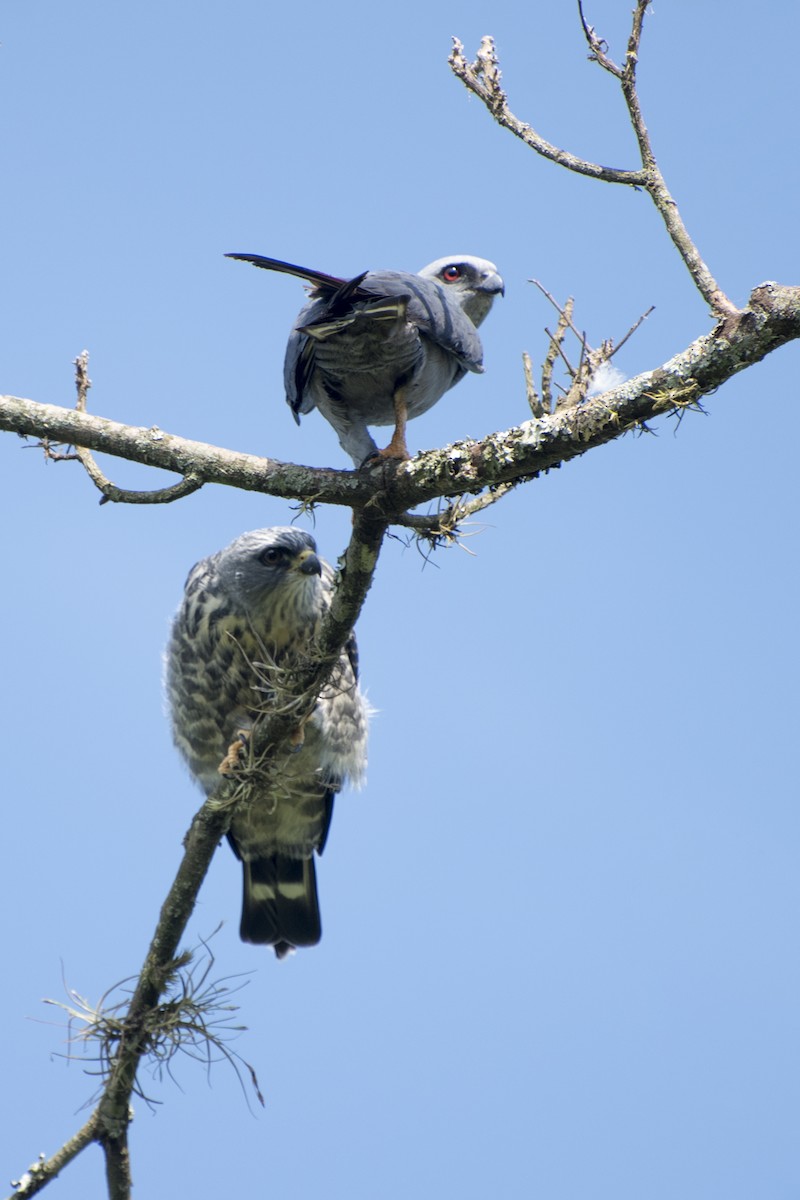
383 347
248 614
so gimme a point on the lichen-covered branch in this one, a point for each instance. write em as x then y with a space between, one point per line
154 447
118 1166
389 491
471 475
109 490
40 1173
771 320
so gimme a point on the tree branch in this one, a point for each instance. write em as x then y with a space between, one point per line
482 78
155 448
109 1123
771 320
110 491
118 1166
380 496
213 820
39 1174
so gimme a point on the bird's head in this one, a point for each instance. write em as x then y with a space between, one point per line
269 563
474 282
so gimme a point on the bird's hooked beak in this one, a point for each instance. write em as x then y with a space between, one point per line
493 285
307 563
477 305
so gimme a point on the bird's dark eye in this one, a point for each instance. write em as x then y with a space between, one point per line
451 274
272 556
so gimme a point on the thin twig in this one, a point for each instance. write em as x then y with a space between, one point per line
445 526
590 361
569 304
190 482
534 402
598 46
554 350
482 77
618 345
656 185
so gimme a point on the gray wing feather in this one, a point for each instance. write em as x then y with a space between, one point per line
299 361
435 313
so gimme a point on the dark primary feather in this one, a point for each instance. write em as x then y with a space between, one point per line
318 278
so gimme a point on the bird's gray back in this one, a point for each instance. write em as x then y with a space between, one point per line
361 366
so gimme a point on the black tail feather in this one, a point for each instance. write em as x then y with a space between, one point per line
280 907
318 278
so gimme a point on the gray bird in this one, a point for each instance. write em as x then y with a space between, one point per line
249 613
385 346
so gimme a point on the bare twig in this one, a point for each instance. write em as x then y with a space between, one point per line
534 403
555 348
598 47
618 345
568 307
482 77
590 361
190 483
445 527
720 305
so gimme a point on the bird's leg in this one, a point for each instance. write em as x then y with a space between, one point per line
397 447
298 736
237 747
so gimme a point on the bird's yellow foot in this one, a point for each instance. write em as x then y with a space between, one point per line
298 737
237 747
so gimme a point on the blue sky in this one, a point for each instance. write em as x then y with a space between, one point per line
560 951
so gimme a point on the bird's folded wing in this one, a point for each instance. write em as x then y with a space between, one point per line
437 315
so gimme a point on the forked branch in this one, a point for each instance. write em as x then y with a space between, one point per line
483 78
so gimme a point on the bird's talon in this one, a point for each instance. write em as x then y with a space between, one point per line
298 737
237 747
383 337
394 454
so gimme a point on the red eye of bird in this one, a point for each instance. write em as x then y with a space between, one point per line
451 274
